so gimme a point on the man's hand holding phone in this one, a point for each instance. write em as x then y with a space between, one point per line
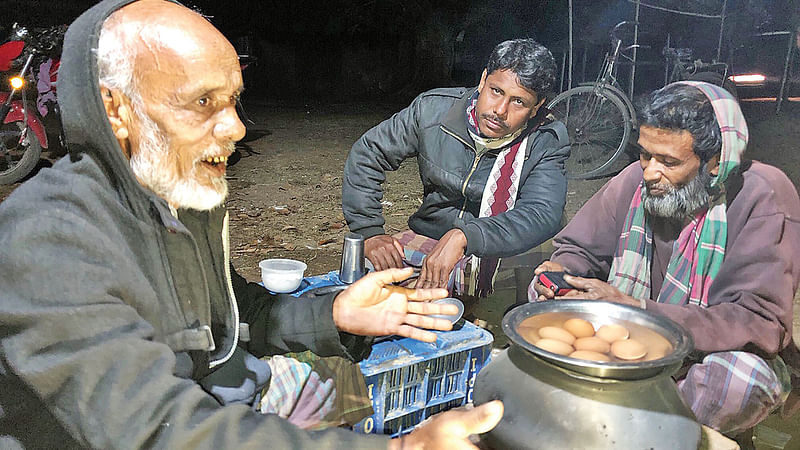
549 282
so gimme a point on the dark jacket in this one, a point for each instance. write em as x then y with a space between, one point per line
112 309
433 129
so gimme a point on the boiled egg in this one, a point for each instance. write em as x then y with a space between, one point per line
554 346
579 328
613 332
592 344
557 333
589 355
628 349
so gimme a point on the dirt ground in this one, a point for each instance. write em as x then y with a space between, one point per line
286 190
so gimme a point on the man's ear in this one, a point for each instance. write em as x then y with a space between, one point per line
118 111
713 165
483 81
535 109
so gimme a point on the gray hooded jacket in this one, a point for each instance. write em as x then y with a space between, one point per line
112 310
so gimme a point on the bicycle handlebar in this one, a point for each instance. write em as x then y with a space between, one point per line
620 25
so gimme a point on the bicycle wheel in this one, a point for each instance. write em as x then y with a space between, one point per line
599 126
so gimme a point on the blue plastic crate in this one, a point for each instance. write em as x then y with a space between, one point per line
408 380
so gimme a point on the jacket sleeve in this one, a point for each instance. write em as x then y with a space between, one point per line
282 324
381 148
537 212
70 337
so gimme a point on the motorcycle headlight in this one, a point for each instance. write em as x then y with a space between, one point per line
17 82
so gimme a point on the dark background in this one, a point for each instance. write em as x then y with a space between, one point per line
337 51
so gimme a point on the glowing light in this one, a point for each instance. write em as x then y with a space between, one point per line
749 78
16 82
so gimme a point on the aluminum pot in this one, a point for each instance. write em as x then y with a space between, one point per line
556 402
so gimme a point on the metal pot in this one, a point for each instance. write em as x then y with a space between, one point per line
558 402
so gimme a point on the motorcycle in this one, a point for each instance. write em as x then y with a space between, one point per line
22 131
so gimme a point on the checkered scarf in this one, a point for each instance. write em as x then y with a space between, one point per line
499 194
700 248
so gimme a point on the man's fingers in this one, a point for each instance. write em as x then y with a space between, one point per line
399 247
578 282
431 308
421 295
395 255
428 323
416 333
392 275
424 274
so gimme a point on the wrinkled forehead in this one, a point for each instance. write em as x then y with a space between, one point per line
175 48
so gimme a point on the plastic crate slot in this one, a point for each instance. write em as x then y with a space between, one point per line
453 382
403 424
436 387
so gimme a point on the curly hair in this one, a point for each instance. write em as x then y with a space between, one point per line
684 107
532 62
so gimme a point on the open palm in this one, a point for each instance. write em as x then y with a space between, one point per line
374 306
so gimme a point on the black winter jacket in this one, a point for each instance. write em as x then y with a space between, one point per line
433 129
109 303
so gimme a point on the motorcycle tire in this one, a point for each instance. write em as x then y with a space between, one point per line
17 159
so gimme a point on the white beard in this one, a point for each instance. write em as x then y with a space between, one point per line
154 168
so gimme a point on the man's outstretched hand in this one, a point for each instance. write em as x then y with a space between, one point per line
451 429
436 267
384 252
373 306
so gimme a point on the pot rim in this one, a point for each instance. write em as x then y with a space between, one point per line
680 340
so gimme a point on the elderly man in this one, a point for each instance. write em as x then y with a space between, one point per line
709 240
492 168
119 313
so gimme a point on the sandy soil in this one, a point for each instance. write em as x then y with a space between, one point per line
286 191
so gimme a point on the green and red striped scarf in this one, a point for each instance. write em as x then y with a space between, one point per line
700 248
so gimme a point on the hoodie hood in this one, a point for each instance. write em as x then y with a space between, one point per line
83 115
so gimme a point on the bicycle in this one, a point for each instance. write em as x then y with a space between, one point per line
680 65
599 116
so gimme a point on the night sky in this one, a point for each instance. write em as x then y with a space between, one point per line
377 48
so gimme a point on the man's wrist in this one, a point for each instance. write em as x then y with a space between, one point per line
461 239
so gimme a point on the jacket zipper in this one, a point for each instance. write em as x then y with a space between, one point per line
226 247
471 171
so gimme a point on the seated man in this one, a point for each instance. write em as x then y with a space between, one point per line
120 318
492 170
697 234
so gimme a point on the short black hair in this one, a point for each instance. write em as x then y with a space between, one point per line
679 107
531 61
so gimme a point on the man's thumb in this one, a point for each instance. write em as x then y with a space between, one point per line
485 417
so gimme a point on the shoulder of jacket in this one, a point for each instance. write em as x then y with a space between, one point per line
770 185
443 93
556 129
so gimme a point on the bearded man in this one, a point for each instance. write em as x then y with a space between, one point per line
694 233
491 161
120 315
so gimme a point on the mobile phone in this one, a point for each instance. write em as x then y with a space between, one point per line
555 282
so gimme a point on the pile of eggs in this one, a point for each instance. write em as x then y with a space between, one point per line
577 338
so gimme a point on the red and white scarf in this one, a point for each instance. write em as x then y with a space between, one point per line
499 194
